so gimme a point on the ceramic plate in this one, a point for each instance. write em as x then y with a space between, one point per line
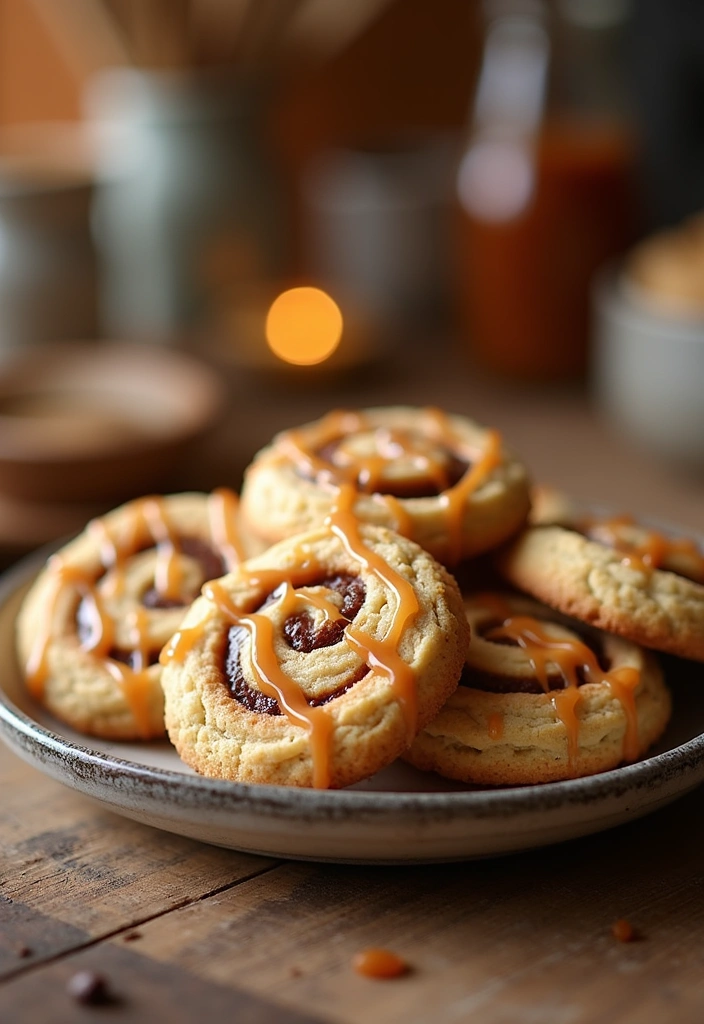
400 815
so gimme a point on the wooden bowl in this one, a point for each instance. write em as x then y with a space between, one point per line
93 422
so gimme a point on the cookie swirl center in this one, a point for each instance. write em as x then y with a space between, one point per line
301 634
397 462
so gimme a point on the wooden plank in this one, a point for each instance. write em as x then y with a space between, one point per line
140 990
70 872
526 938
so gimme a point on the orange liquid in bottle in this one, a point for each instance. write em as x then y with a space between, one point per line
524 282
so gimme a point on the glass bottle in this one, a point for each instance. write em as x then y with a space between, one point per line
546 182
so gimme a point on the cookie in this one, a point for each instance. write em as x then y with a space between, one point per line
542 698
315 663
91 627
617 575
439 479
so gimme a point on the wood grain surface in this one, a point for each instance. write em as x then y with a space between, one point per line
176 925
185 932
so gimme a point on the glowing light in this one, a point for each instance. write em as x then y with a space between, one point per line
303 326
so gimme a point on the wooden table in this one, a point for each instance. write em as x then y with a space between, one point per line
186 932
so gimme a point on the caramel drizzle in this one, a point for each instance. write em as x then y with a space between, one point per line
273 681
335 425
403 521
109 556
168 571
61 577
454 499
367 474
569 656
652 552
132 679
495 725
149 516
306 570
222 520
381 655
369 470
181 643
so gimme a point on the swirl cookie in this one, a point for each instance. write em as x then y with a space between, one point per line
541 700
315 663
438 479
617 575
91 628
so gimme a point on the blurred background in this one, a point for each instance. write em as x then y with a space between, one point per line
220 218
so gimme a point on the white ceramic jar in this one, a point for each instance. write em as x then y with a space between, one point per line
648 371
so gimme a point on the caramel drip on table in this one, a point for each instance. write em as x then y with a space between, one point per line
569 656
652 552
379 963
148 516
382 654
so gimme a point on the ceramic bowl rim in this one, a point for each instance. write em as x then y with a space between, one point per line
624 302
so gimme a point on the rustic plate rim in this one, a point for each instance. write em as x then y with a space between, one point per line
44 746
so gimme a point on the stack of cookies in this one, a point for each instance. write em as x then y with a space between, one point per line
313 631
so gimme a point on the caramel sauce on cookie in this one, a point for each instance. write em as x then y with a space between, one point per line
456 497
403 520
291 586
577 664
647 549
95 628
495 726
441 467
273 681
381 654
